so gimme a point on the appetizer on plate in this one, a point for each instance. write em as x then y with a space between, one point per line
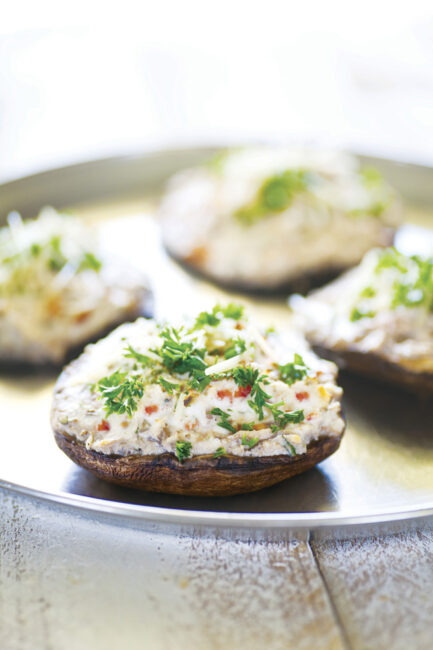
58 289
266 218
377 319
214 407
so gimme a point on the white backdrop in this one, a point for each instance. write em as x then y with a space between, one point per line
83 81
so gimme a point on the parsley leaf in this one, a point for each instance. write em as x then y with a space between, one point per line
391 258
213 318
289 446
168 385
291 372
180 356
275 195
232 310
183 450
120 392
224 421
282 418
356 314
245 376
249 442
238 346
141 358
89 261
368 292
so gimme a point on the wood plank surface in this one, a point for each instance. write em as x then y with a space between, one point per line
69 582
382 589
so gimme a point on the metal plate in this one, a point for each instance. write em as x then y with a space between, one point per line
383 471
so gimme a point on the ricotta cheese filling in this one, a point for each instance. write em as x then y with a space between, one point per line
384 306
57 287
216 385
265 215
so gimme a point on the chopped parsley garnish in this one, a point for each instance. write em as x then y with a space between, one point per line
180 356
130 353
183 450
220 452
52 255
249 442
224 421
415 286
283 418
90 262
368 292
260 398
356 314
57 259
168 385
289 446
371 177
275 195
291 372
206 318
120 392
245 376
238 346
213 318
391 258
232 310
418 290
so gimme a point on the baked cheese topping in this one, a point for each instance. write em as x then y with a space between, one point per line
57 288
384 306
215 385
265 215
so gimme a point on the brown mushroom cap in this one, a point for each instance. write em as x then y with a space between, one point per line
374 366
199 475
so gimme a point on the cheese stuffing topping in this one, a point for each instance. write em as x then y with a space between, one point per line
57 288
384 306
264 215
215 385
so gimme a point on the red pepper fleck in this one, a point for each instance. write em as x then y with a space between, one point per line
103 426
309 417
243 391
151 409
302 396
225 392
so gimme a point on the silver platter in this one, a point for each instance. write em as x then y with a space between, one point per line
383 472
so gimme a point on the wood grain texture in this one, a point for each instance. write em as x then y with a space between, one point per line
260 595
382 589
69 582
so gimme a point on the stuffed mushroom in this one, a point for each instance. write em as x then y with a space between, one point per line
267 218
213 407
58 289
377 319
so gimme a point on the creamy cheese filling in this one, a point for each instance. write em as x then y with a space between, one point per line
219 387
328 219
384 306
57 287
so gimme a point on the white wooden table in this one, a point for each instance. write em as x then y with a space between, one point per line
69 581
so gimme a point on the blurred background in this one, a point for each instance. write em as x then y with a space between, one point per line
84 80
